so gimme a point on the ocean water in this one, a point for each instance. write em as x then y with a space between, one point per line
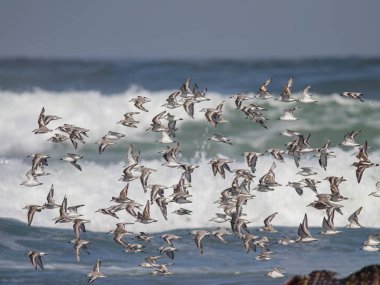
96 94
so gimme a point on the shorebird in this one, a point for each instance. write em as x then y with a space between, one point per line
286 92
214 116
297 186
58 138
275 273
128 120
239 224
269 179
169 250
38 160
239 98
32 209
248 243
349 139
162 270
36 258
185 91
64 214
144 217
290 133
145 172
188 106
119 233
42 123
370 248
50 200
324 153
68 129
353 95
268 224
75 135
111 211
123 196
307 171
127 175
31 179
182 212
363 163
73 158
103 143
256 117
79 226
95 273
143 236
134 247
156 125
276 153
263 188
251 108
139 101
198 236
188 170
373 240
264 255
324 203
199 96
156 190
328 225
170 156
219 233
219 166
251 158
78 245
162 203
48 118
307 98
131 157
311 183
150 262
377 192
171 101
220 138
263 92
285 240
354 221
169 237
172 121
289 114
303 232
114 135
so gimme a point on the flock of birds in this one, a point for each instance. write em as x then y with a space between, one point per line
232 199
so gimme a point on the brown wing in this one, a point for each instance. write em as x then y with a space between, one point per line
146 212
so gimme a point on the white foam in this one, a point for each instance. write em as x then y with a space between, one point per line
97 184
90 109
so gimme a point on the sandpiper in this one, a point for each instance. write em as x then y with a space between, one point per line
354 221
307 98
353 95
303 232
73 158
36 258
95 273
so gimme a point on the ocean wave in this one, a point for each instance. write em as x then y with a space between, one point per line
95 186
331 117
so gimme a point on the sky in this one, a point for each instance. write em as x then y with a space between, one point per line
175 29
